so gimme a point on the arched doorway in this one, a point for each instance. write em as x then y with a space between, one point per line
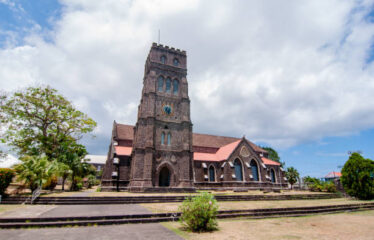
272 175
212 177
254 170
238 170
164 177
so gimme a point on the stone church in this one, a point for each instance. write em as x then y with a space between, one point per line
161 152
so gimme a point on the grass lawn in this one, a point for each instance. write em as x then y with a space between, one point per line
343 226
173 207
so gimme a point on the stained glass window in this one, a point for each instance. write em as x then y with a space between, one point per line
238 170
175 86
168 85
160 83
254 170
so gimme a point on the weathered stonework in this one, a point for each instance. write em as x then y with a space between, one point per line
160 153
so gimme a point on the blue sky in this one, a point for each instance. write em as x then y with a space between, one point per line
297 75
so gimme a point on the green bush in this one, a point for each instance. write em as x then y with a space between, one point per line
50 184
199 213
315 187
330 187
79 186
358 177
6 175
91 181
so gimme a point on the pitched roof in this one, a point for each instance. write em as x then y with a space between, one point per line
123 151
333 175
267 161
222 154
126 132
96 159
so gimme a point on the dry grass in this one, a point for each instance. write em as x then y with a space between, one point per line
344 226
252 192
173 207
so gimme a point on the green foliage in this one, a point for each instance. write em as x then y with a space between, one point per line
199 213
358 177
50 184
39 121
316 185
34 171
292 175
6 175
273 155
91 181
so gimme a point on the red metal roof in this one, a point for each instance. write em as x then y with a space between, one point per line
123 151
222 154
267 161
126 132
333 175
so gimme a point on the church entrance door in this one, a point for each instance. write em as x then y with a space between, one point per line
164 178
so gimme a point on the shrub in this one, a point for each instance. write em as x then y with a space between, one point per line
199 213
315 187
79 186
329 187
91 181
6 175
50 184
358 177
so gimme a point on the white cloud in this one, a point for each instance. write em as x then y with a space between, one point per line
278 72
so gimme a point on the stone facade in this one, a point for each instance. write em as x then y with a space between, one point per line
160 153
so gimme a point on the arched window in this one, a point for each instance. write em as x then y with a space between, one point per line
160 83
176 62
169 139
163 59
212 177
272 175
254 170
175 86
162 138
168 85
238 170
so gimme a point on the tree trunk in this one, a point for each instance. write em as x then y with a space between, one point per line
72 187
63 183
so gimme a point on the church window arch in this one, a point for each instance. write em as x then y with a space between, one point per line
162 138
238 167
254 169
175 86
169 139
163 59
176 62
272 176
168 85
212 174
160 84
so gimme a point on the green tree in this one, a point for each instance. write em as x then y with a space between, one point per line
64 172
35 171
273 155
358 177
292 175
39 121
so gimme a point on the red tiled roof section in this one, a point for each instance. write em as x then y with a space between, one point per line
222 154
123 151
126 132
267 161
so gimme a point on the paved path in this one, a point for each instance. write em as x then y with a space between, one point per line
126 231
74 210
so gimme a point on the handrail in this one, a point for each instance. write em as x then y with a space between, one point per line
36 194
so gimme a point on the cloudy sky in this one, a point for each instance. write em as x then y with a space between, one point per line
294 75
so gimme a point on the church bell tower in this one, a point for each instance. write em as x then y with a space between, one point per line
162 148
